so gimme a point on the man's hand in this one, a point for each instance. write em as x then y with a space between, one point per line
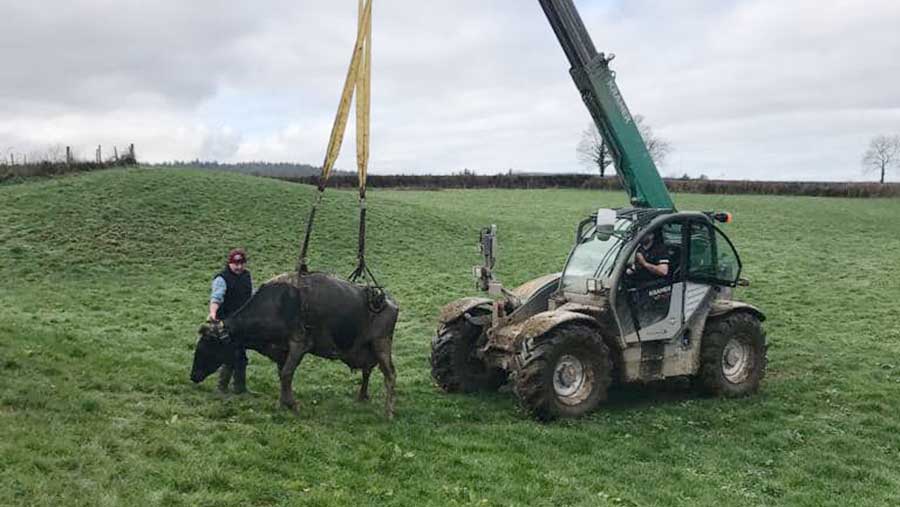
641 261
213 311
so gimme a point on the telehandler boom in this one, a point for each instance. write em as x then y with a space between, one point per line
597 84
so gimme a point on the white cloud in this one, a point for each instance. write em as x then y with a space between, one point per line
742 89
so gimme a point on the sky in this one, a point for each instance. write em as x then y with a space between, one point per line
741 89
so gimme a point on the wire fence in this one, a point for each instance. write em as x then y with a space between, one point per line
62 160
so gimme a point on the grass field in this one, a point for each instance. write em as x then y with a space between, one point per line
105 279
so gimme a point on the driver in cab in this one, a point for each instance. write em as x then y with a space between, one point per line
651 262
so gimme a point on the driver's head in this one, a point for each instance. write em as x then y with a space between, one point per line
647 241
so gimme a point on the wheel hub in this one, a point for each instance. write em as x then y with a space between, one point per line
736 361
571 380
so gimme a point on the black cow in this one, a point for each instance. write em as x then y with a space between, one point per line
319 314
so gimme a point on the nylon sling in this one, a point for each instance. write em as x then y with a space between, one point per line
358 80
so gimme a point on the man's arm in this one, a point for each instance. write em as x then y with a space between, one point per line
216 296
661 269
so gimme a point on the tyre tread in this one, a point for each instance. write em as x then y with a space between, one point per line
716 335
534 395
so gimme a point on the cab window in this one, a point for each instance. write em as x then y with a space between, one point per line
728 264
712 258
672 239
702 256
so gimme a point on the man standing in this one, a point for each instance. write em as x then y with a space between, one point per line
231 288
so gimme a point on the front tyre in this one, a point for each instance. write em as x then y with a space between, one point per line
565 373
454 363
732 355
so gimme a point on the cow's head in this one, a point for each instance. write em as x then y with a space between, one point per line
213 349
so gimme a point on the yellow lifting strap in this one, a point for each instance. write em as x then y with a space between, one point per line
359 81
363 96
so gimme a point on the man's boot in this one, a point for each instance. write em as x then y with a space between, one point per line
225 378
240 381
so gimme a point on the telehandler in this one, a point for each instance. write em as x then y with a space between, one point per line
645 295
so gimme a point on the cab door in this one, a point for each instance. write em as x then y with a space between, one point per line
711 261
651 309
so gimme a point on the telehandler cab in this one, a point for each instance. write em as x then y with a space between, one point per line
645 295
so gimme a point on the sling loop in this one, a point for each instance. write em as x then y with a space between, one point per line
363 108
358 80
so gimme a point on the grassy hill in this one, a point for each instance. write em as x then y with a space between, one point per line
105 279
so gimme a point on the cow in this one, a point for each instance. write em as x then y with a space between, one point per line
292 315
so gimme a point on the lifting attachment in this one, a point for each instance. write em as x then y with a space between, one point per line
359 81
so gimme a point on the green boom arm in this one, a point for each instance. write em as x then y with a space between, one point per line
597 84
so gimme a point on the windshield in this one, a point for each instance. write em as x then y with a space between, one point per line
594 257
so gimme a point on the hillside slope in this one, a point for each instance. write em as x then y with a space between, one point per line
106 278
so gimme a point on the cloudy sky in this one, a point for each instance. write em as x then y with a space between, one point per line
760 89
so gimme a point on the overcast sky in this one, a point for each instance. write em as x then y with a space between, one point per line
755 89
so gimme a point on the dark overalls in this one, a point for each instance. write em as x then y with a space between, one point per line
238 290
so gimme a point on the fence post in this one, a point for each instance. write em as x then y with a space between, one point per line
99 155
68 155
131 149
115 153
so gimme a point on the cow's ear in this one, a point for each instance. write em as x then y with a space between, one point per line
204 329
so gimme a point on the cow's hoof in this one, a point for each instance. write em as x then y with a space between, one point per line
362 398
291 405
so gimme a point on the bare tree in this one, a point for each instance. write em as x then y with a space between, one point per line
658 147
593 151
883 154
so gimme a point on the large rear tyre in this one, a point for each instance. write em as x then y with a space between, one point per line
565 373
454 363
732 356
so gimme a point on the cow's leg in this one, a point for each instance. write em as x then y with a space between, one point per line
364 387
225 378
240 371
382 347
286 375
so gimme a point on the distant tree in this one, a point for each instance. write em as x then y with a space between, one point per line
658 147
883 154
593 151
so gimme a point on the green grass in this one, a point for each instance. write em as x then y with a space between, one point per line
105 279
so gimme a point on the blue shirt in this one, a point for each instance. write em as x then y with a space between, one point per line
218 290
